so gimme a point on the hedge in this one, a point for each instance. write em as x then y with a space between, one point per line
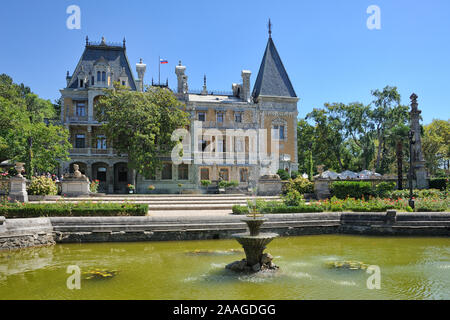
440 183
72 210
241 210
352 189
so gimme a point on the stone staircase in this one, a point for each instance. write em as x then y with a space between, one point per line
172 202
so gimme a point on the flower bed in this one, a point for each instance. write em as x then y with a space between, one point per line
82 209
350 204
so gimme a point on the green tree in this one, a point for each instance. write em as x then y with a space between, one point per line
140 124
386 115
23 135
436 145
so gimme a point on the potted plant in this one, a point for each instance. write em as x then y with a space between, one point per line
151 188
131 188
94 186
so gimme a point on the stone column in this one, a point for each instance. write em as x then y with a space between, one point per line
110 178
420 171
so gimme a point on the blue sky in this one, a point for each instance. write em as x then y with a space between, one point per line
326 47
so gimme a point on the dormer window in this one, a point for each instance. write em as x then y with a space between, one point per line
238 117
81 83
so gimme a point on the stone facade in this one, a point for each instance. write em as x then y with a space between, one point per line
271 106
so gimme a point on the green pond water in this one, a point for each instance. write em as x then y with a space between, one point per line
411 268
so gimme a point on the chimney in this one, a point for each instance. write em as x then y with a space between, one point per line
182 78
140 69
245 93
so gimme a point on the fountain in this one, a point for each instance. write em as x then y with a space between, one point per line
254 244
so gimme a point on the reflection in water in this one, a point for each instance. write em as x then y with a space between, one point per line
22 261
411 268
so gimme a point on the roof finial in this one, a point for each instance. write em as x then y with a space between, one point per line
124 42
87 40
205 90
270 28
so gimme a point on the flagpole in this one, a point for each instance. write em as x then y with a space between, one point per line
159 70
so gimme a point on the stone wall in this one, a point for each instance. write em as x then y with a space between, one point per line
24 233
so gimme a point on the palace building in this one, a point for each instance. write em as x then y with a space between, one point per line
270 105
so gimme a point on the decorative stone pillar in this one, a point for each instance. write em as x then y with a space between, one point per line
269 185
420 171
110 179
18 185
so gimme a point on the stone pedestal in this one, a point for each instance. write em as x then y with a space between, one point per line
322 188
18 189
269 185
75 187
420 171
75 184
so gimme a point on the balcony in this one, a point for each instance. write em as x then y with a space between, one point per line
82 120
221 157
228 125
92 152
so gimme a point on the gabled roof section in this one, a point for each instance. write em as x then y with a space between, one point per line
272 79
112 55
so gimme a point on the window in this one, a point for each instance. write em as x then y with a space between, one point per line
238 117
221 146
103 76
80 141
92 80
81 83
243 173
223 174
202 116
124 83
101 142
166 173
81 109
202 144
183 172
280 129
150 175
204 174
220 117
99 76
282 133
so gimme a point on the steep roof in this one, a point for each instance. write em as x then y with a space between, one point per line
272 79
110 54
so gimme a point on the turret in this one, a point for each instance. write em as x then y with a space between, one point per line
182 79
140 69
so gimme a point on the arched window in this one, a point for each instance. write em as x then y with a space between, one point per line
103 76
99 76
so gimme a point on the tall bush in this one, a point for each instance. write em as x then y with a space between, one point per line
42 186
302 185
